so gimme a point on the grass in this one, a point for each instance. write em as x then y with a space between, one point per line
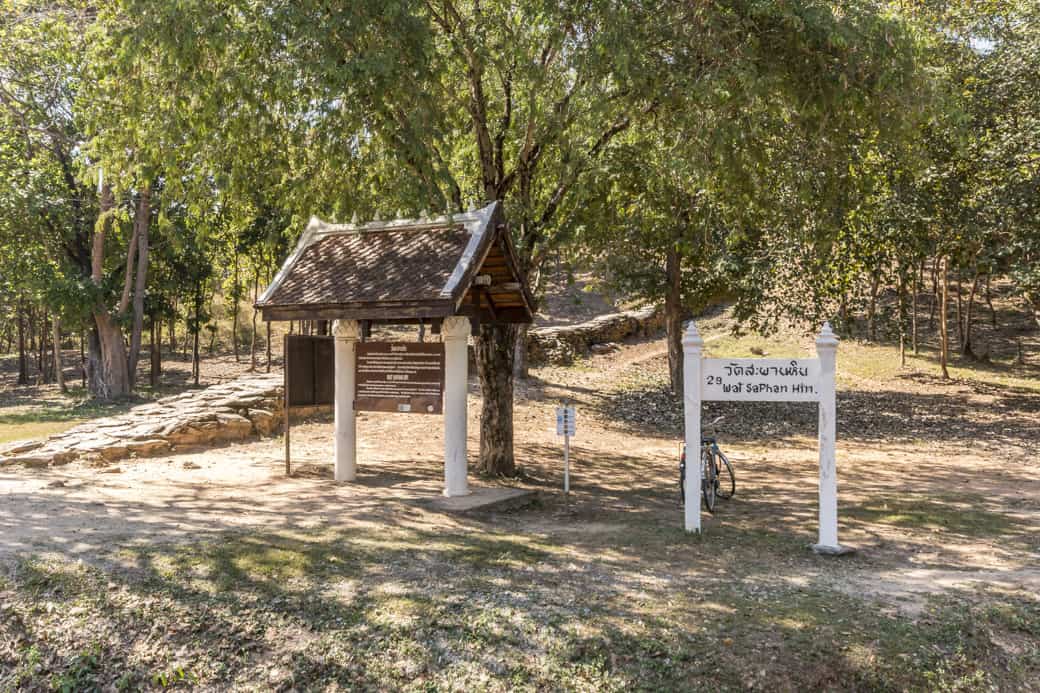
420 610
47 417
957 515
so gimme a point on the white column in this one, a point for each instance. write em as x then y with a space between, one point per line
826 350
455 334
692 348
347 333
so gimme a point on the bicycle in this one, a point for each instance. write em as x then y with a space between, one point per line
717 477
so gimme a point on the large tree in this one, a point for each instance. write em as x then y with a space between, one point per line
369 106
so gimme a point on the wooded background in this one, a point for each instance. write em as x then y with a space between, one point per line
804 159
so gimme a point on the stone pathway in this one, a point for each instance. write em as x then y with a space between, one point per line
230 411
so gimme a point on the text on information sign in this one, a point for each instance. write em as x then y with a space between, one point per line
400 376
768 380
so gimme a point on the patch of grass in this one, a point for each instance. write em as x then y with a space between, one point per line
959 516
52 417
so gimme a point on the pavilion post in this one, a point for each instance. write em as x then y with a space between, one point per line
693 346
347 333
455 332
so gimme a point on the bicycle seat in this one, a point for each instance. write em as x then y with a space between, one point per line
707 440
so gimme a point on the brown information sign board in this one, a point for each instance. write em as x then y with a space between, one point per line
400 376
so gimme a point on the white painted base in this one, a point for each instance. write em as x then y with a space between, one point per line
837 550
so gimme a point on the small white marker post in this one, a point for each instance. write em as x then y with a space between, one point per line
566 427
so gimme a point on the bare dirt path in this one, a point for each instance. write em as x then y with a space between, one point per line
926 515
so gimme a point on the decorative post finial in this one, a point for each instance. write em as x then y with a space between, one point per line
353 218
826 339
472 207
400 215
376 217
692 337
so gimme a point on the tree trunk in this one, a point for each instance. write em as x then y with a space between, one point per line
521 368
673 317
989 302
235 292
23 361
252 341
141 223
966 345
41 348
918 277
944 332
110 377
872 310
59 374
935 292
195 334
267 345
902 317
155 370
82 360
173 327
959 313
495 351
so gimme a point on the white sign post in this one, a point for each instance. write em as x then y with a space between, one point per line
768 380
566 427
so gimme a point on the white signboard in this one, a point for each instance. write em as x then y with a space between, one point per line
565 421
761 380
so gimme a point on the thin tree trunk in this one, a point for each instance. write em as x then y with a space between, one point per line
82 360
141 223
959 313
673 317
267 345
902 317
195 362
967 348
235 293
252 341
935 292
59 374
41 347
495 351
989 302
944 332
918 277
23 362
872 310
155 370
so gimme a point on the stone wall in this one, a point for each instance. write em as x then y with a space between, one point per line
562 344
230 411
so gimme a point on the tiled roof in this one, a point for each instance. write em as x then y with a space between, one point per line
362 266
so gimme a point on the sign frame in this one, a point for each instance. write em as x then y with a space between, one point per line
818 373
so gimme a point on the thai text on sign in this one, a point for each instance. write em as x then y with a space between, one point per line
769 380
400 376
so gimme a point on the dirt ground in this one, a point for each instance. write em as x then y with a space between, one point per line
924 515
939 493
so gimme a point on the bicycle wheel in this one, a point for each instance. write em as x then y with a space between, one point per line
682 479
708 481
727 481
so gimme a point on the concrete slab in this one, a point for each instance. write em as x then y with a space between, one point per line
485 498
